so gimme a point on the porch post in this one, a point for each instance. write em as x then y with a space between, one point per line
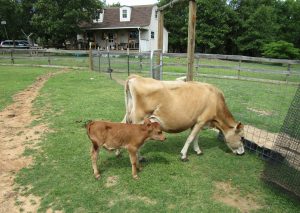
139 40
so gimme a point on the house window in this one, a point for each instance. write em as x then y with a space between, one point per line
152 34
124 13
98 16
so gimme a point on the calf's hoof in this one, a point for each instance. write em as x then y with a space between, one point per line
97 176
142 159
135 177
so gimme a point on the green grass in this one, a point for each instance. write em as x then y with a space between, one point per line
60 60
62 173
15 79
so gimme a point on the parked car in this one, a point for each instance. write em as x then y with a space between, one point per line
23 44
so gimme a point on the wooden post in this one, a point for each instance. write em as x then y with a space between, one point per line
91 57
128 71
191 39
49 61
141 63
99 60
239 69
160 40
12 57
288 72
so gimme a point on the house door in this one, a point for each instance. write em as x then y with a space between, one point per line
111 41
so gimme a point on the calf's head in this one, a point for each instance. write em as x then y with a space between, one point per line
233 138
154 130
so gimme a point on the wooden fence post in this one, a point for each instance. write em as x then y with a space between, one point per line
141 64
99 56
239 69
160 41
12 57
288 73
191 39
49 62
91 57
128 71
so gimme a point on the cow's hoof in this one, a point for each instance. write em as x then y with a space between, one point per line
97 177
135 177
199 153
184 159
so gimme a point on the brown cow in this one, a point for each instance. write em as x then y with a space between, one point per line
178 106
119 135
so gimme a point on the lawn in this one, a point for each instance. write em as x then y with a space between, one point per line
14 79
62 172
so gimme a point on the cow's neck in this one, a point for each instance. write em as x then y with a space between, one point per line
225 121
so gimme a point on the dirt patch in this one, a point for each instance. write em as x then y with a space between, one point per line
119 81
15 136
260 112
225 193
126 197
111 181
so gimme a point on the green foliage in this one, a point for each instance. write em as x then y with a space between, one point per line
235 26
258 29
58 21
281 49
212 25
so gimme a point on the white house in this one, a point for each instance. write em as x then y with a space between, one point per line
118 28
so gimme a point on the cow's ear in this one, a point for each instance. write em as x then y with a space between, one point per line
239 127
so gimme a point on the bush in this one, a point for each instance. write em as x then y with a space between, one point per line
281 49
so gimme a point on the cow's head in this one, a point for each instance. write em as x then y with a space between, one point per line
154 130
233 139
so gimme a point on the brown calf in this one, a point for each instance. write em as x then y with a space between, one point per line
117 135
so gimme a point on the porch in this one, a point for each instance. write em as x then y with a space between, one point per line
117 39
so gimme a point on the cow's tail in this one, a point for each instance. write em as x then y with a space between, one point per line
128 101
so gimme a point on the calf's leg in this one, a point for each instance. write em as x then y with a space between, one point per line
94 157
133 159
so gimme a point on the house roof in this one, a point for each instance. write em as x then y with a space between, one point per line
140 17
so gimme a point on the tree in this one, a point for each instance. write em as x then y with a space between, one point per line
258 25
281 49
9 13
176 22
289 21
57 21
212 25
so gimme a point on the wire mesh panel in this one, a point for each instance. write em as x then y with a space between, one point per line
284 168
156 64
122 64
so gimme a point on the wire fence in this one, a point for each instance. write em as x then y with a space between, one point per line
258 91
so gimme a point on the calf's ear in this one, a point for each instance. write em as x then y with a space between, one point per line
147 122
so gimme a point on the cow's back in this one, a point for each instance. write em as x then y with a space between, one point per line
176 105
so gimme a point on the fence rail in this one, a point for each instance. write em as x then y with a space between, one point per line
232 66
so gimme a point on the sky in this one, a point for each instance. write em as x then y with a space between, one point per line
132 2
